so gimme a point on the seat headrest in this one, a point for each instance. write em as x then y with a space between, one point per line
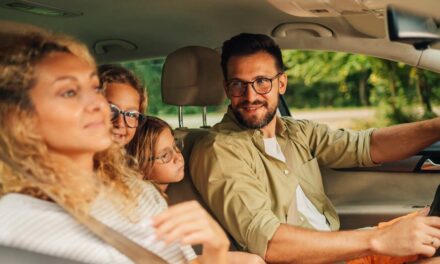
193 76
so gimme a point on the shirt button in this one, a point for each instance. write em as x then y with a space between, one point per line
286 172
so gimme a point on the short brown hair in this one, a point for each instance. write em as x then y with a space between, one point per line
245 44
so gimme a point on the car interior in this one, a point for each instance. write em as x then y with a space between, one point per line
190 34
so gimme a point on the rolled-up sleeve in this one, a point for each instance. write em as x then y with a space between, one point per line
338 148
224 175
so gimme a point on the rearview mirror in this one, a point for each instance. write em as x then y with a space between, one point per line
417 30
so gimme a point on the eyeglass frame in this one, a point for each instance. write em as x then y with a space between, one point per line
123 113
177 149
245 84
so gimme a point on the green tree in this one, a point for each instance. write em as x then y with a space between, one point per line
424 91
361 81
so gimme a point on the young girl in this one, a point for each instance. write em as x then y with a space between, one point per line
160 160
127 98
157 152
55 126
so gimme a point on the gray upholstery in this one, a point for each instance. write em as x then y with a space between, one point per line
192 76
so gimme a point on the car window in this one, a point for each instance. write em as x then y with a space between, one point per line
358 91
339 89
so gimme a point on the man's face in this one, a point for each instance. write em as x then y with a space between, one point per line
255 110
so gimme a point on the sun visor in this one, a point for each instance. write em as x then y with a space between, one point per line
328 8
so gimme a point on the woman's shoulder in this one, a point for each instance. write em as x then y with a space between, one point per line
144 201
147 192
152 195
44 227
15 205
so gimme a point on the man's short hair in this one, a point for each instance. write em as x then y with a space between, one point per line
249 44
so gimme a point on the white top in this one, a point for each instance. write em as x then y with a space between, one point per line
44 227
305 206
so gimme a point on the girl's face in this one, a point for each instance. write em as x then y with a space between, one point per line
126 98
72 115
166 149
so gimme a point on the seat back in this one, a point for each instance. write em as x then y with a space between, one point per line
185 190
191 76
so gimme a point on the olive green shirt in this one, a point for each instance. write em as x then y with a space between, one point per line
250 192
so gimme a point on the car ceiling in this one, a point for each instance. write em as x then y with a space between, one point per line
159 27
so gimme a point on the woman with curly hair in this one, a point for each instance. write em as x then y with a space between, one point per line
55 126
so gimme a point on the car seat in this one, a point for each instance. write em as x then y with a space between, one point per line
191 76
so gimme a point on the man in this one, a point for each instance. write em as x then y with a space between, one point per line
259 173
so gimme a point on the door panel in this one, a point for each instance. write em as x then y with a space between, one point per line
365 198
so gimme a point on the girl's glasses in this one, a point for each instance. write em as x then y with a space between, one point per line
167 155
131 118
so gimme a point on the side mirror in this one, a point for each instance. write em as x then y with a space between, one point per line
407 27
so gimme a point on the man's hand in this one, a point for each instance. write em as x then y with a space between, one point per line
410 236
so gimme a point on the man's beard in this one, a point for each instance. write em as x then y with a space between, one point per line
254 122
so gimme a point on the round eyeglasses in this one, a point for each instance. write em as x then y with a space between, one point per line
131 118
167 155
261 85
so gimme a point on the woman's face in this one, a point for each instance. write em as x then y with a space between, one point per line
172 171
126 98
73 117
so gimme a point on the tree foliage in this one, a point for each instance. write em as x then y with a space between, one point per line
332 79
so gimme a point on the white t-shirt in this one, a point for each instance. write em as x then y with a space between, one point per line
44 227
305 206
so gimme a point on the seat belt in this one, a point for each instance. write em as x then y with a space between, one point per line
129 248
132 250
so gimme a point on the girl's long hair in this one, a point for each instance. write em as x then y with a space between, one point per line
143 145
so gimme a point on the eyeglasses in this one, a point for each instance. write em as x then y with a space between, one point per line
167 155
131 118
261 85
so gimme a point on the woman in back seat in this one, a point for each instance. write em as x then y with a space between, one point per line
55 126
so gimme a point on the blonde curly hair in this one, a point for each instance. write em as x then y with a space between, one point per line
47 174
